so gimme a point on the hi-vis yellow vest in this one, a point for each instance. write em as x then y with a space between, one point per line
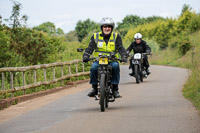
101 44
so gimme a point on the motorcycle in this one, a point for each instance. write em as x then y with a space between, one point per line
105 93
137 61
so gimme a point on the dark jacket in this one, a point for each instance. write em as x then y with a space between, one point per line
119 46
138 48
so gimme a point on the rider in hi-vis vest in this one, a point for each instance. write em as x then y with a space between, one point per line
105 41
101 44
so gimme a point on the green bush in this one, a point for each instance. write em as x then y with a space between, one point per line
194 23
184 46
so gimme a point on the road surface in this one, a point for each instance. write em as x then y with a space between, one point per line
154 106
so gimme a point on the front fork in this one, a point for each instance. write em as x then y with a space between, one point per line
107 70
134 63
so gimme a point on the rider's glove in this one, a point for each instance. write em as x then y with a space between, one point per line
148 51
85 59
127 52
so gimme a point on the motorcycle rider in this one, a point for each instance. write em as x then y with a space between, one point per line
105 41
139 46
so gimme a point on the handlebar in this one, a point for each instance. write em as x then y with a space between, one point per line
113 59
141 53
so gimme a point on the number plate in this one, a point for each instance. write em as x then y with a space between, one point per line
135 62
103 60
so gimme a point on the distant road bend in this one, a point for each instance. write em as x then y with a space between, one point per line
154 106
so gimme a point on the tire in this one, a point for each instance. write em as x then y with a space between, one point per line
102 93
137 75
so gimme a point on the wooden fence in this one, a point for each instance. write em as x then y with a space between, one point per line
37 83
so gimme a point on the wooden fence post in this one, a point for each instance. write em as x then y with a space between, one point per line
3 81
11 83
76 67
24 82
44 74
62 74
69 69
53 72
35 76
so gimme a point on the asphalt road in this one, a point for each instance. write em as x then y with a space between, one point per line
154 106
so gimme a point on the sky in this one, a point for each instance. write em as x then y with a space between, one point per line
66 13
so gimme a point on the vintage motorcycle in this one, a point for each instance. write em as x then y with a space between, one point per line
137 61
105 93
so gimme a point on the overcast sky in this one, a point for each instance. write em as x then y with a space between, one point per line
66 13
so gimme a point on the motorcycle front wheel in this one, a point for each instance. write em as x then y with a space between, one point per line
102 92
137 74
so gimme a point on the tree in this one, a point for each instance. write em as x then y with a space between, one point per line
15 20
185 8
71 36
59 31
5 54
49 28
128 22
84 27
153 18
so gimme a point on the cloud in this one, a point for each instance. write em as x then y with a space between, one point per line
65 22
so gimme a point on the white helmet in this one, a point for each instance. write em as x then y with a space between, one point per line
107 21
138 36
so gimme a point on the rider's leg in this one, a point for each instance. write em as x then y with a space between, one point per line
116 91
146 65
115 78
93 79
131 66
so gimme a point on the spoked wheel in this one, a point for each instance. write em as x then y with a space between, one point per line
137 75
102 93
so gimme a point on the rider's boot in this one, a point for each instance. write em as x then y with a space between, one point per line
132 74
148 72
94 91
115 91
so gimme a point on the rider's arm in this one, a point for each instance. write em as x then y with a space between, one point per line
129 49
119 46
92 45
147 48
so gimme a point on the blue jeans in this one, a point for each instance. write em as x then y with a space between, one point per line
115 72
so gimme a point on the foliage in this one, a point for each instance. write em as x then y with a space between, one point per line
166 31
184 46
84 27
186 8
5 54
71 36
194 23
132 21
49 28
15 20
